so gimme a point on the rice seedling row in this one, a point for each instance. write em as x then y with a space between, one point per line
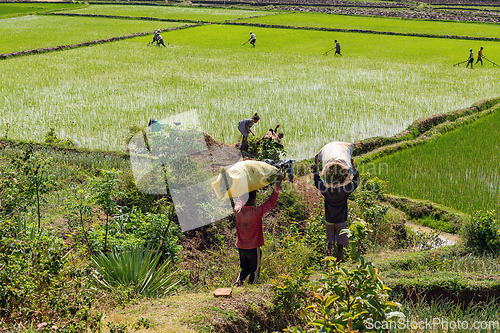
379 87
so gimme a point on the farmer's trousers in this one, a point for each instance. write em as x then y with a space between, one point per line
250 265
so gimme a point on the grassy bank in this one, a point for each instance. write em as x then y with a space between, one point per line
458 170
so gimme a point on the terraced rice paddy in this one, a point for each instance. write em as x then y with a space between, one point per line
380 24
13 9
172 13
32 32
93 94
461 169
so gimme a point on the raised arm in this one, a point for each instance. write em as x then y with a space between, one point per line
317 179
239 205
271 202
247 125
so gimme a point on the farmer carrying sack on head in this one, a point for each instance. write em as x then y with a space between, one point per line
341 178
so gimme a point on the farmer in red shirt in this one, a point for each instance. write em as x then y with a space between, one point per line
250 236
480 56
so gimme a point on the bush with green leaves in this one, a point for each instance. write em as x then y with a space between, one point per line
270 149
290 294
51 137
103 194
482 232
292 203
41 282
135 228
346 297
10 192
139 268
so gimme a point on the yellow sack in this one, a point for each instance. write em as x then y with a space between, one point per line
243 177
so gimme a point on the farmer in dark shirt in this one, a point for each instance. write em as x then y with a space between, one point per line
336 209
337 48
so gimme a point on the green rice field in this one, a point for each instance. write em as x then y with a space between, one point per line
13 9
93 94
380 24
461 169
49 31
173 13
380 86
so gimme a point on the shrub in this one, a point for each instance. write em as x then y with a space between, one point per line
482 232
135 228
347 298
51 138
40 281
292 203
290 294
138 268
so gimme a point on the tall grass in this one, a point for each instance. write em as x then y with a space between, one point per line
32 32
443 316
460 169
169 12
380 24
380 86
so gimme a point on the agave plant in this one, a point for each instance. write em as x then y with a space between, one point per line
135 267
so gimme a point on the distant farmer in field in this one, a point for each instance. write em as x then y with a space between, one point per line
244 128
480 55
337 48
155 36
159 40
335 209
273 135
252 38
250 236
471 59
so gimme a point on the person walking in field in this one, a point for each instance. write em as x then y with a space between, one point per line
471 59
335 209
250 236
252 39
337 48
480 56
244 128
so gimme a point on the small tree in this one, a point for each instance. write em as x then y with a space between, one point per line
36 179
104 188
80 209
